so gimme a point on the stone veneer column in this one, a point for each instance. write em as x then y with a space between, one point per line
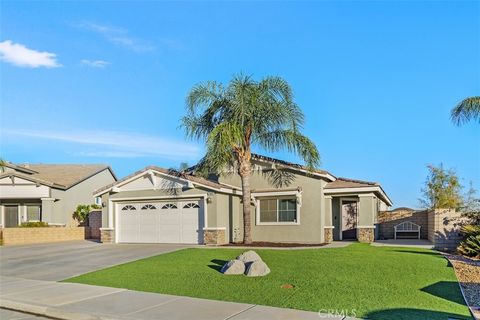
214 236
328 234
107 235
366 234
366 218
328 227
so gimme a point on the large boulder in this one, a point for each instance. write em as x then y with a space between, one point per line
257 269
233 267
249 256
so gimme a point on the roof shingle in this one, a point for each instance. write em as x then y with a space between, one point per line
350 183
65 175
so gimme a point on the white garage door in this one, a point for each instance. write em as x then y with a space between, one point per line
161 222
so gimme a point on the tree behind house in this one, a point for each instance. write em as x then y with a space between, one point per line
442 189
471 206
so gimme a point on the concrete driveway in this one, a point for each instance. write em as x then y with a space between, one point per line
62 260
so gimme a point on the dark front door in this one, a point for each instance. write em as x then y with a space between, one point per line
11 216
349 220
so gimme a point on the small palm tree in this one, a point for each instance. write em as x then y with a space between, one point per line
3 163
232 119
468 109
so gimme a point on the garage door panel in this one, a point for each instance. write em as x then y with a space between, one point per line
128 219
161 222
170 217
170 234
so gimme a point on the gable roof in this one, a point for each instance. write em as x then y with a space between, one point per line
290 165
349 183
342 185
29 177
170 172
334 185
19 168
294 166
61 176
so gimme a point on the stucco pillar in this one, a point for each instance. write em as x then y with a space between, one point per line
328 219
366 218
47 210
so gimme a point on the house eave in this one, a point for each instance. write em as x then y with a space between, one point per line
148 171
376 189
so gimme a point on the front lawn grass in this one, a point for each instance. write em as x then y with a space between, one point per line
358 280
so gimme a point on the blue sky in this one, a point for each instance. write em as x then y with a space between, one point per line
105 82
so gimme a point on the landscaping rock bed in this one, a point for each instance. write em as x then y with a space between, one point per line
468 274
248 263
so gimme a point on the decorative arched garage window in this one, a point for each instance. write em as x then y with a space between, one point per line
191 205
149 207
169 206
129 207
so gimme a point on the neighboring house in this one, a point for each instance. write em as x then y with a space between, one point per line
48 192
159 205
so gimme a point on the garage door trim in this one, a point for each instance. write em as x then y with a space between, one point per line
143 199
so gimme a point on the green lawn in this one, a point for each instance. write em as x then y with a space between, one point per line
377 282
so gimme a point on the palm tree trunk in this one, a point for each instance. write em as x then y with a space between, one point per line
244 172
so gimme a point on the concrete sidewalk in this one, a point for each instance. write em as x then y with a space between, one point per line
81 302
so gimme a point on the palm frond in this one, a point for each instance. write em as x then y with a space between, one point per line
468 109
292 141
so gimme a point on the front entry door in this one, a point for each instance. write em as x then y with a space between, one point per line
349 220
11 216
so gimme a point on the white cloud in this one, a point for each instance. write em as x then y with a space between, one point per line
19 55
116 144
118 36
95 63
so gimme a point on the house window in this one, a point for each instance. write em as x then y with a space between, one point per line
98 201
149 207
191 205
129 207
169 206
278 210
34 212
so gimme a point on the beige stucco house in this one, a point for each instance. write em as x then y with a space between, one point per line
159 205
48 192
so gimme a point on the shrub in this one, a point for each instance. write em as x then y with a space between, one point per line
34 224
83 210
470 246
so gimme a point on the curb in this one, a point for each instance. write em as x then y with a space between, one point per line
49 312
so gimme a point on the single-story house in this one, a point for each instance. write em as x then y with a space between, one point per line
159 205
48 192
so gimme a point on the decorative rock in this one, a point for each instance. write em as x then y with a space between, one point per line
257 269
249 256
233 267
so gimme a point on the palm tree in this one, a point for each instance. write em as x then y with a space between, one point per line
468 109
3 163
232 119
